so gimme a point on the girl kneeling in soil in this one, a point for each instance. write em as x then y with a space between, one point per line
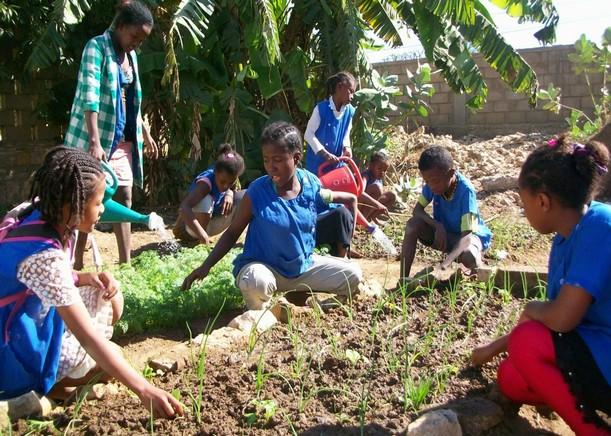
560 351
56 323
280 211
211 203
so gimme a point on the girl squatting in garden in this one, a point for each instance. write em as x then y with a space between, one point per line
280 211
559 354
56 323
105 119
211 203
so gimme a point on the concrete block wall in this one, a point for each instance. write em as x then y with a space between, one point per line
504 111
24 137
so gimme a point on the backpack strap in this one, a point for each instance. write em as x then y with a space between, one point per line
12 230
18 298
35 230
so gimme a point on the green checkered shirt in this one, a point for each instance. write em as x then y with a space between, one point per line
96 91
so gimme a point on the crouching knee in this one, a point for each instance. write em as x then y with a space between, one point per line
257 284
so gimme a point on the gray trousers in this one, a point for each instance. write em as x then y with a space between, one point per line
258 282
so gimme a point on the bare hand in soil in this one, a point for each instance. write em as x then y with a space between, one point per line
485 353
162 404
197 274
442 273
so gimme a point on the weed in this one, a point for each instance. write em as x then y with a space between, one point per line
264 411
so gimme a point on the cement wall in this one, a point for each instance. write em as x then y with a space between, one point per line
504 111
24 137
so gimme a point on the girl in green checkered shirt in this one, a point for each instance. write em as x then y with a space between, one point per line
105 119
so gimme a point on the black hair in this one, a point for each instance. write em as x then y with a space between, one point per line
336 79
133 13
568 171
283 134
379 156
229 161
67 176
435 156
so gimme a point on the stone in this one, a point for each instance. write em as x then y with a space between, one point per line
261 320
164 365
371 288
442 422
499 183
225 337
477 415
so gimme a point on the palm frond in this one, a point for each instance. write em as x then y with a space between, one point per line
539 11
266 16
457 11
193 17
48 47
501 56
445 46
382 17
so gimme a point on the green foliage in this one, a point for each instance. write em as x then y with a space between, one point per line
372 123
219 70
263 413
151 289
589 60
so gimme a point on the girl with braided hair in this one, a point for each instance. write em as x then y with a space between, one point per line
56 323
559 354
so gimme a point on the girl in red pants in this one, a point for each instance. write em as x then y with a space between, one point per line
559 354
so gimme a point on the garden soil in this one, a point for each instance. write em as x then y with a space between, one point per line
315 387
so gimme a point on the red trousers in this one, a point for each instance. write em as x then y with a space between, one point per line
530 375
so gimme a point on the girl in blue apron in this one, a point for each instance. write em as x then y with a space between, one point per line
55 322
280 210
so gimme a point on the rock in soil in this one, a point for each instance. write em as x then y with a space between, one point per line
476 415
261 320
225 337
499 183
441 422
164 365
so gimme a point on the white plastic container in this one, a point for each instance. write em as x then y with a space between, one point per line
383 240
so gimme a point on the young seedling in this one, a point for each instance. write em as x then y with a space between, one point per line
264 411
201 368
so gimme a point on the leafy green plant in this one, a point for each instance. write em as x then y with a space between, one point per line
151 290
264 411
589 59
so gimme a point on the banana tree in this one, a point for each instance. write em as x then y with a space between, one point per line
219 70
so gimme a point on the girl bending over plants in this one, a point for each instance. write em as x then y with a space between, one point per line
211 204
559 354
55 322
280 211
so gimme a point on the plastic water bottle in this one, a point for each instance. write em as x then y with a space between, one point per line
383 240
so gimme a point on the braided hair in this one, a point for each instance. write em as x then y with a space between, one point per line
338 78
67 176
284 135
570 171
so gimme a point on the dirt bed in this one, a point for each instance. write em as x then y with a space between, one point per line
370 365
